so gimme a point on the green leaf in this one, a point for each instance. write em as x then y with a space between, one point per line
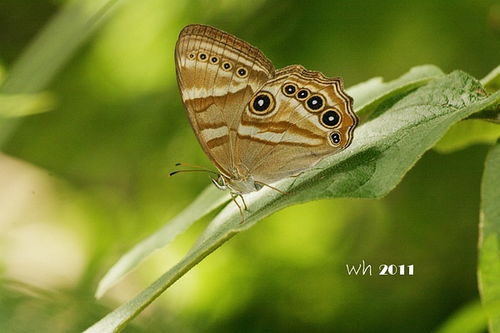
367 93
53 47
384 149
491 82
51 50
489 239
207 201
471 318
2 73
467 133
25 104
371 93
474 131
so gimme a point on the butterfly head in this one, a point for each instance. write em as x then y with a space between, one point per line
237 186
220 182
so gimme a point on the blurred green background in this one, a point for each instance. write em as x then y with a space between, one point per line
82 184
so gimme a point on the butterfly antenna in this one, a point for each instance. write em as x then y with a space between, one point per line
233 197
197 169
193 170
190 165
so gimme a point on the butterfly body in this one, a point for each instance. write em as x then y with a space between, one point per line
237 185
257 124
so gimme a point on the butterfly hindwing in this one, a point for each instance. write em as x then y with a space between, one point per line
292 122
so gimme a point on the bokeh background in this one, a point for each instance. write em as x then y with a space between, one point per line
83 183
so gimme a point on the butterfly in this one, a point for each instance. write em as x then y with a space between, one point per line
257 124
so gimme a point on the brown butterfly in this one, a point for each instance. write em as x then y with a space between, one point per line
257 124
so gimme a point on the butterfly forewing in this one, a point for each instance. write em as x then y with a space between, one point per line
218 74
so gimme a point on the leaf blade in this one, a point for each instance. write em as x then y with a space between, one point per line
466 133
491 82
207 201
19 105
380 150
51 49
489 239
370 93
470 318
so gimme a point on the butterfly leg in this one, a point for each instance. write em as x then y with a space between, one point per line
233 197
271 187
295 177
244 203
